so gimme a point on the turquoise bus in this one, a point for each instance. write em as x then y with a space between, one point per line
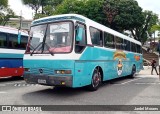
73 51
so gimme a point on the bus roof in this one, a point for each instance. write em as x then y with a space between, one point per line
12 30
84 20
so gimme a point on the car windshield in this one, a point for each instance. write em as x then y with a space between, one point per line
51 38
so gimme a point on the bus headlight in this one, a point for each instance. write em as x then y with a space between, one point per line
27 69
63 72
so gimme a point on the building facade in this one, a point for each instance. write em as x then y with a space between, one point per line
17 22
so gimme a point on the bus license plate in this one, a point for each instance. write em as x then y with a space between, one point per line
42 81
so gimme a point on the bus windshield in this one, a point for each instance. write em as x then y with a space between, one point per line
51 38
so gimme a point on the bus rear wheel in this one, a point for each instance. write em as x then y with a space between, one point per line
96 80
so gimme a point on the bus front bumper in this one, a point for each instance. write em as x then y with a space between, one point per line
49 80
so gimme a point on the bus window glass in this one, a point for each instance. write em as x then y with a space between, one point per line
133 47
59 37
109 40
37 34
3 41
138 48
13 41
81 44
119 43
127 45
24 40
96 36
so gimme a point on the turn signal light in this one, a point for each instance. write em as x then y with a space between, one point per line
63 71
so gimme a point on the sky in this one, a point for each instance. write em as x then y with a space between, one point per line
18 7
27 13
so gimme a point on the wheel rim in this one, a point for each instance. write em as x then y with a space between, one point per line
96 79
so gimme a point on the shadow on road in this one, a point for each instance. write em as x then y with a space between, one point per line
61 95
9 79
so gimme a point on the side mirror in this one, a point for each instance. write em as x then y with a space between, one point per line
19 37
79 34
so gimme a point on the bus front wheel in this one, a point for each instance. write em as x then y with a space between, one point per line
96 80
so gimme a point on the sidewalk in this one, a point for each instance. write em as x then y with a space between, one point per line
147 70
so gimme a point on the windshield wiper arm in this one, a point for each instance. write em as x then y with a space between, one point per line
48 47
36 48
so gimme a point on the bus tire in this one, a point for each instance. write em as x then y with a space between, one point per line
96 80
133 72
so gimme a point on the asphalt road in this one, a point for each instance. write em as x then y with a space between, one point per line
142 90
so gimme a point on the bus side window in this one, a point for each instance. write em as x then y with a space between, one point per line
138 48
13 41
96 36
24 40
109 40
3 40
119 43
127 45
133 47
80 40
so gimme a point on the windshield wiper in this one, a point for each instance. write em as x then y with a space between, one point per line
36 48
48 47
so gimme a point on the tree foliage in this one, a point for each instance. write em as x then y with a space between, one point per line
141 32
34 4
89 8
120 15
131 17
3 3
155 28
5 12
42 8
129 14
6 15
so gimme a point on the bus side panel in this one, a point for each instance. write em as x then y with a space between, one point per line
101 57
11 67
84 71
110 70
82 74
136 59
4 72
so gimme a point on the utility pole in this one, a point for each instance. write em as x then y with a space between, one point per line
159 57
20 21
20 26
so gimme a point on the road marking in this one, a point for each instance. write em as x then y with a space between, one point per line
2 92
14 82
2 85
147 83
131 81
5 77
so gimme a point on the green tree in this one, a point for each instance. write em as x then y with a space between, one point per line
155 27
128 15
42 8
125 14
3 3
89 8
5 12
34 4
141 32
6 15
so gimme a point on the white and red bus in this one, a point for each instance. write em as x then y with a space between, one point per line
12 47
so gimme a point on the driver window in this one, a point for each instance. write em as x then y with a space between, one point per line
81 43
